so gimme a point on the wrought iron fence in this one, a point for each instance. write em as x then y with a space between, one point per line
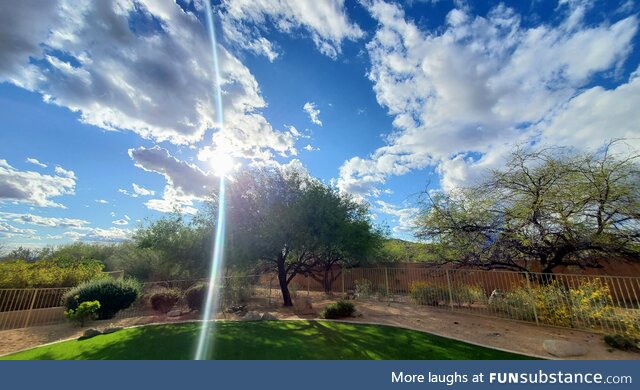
608 304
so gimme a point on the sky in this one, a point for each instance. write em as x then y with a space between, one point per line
109 114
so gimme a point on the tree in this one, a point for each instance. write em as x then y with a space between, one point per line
182 249
548 208
293 224
339 232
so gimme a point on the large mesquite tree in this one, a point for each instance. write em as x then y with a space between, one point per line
292 224
548 207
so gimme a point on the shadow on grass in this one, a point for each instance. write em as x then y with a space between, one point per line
275 340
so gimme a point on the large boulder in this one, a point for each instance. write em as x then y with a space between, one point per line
269 317
563 348
252 316
89 333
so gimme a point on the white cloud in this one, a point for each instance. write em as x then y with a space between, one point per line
463 95
140 65
139 190
36 162
185 182
37 220
245 21
32 187
64 172
311 109
310 148
120 222
9 231
406 216
102 201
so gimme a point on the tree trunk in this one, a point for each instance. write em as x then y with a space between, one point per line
284 286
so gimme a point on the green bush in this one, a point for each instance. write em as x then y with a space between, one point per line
468 294
196 295
340 309
237 290
622 342
85 311
425 293
517 303
113 295
163 300
58 272
362 288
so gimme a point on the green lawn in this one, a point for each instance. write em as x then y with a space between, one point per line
267 340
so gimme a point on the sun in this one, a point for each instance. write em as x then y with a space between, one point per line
221 163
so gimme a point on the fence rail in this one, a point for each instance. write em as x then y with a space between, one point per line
607 304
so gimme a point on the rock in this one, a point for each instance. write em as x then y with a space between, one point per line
562 348
174 313
111 329
269 317
251 316
89 333
236 309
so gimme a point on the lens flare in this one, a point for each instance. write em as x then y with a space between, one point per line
205 342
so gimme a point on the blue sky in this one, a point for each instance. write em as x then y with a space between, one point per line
108 114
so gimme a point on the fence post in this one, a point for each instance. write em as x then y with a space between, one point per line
342 277
33 301
386 285
533 298
450 291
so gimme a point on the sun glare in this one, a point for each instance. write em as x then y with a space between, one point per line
221 163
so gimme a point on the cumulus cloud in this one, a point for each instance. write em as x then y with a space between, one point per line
245 21
405 216
9 231
32 187
139 65
121 221
37 220
185 182
463 95
312 110
35 162
137 191
310 148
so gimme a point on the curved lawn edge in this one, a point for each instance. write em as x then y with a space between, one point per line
356 334
531 355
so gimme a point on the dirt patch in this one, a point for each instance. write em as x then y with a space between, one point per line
488 331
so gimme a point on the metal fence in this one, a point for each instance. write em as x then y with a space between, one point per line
23 308
608 304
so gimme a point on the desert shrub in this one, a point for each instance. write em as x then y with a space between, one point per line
85 311
622 342
196 295
163 300
58 272
425 293
588 303
468 294
362 288
113 295
517 303
340 309
237 290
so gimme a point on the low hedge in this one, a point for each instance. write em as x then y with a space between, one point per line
113 295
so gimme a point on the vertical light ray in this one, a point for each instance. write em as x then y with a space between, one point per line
205 341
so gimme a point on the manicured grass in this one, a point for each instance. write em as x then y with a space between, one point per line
267 340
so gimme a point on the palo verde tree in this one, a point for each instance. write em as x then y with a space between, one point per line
547 208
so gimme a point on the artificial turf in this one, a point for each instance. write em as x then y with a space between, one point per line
267 340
